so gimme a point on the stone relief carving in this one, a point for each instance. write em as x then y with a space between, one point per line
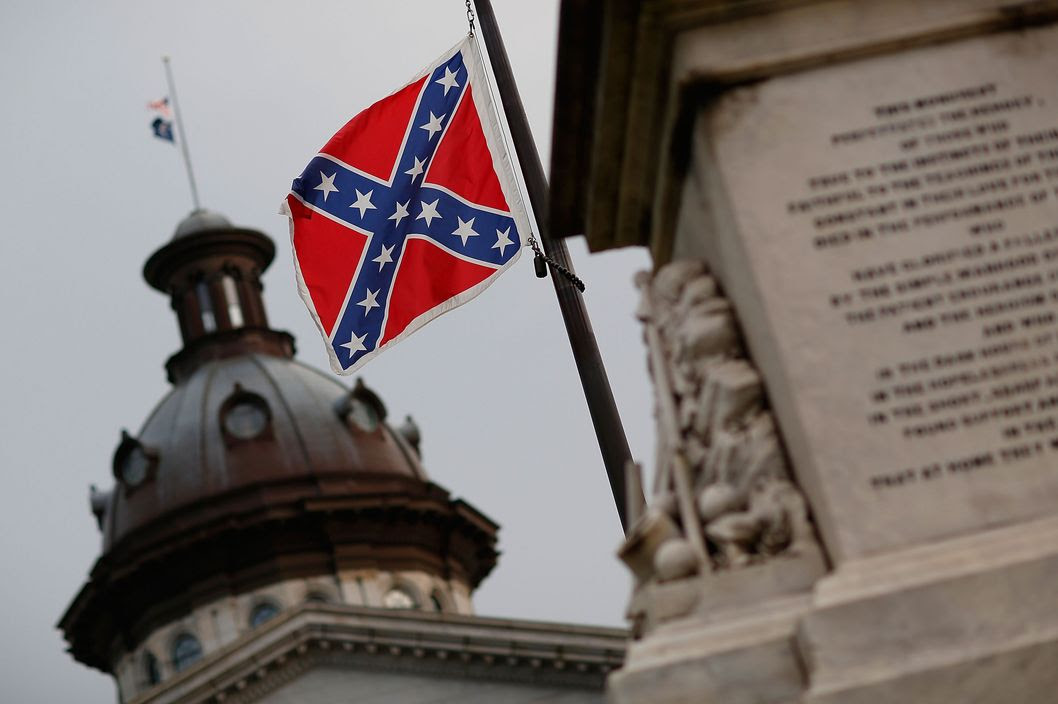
723 498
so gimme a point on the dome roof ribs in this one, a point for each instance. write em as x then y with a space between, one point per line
204 422
291 416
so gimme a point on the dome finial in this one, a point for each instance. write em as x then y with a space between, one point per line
201 220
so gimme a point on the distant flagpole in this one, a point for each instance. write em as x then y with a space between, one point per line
180 131
601 406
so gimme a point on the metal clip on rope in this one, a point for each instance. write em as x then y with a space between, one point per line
470 17
541 260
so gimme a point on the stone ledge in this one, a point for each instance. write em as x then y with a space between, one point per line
946 559
908 620
1021 675
751 660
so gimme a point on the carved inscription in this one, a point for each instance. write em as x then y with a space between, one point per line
900 218
964 161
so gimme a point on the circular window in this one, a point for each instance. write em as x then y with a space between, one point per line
246 419
135 466
133 462
265 611
398 598
363 415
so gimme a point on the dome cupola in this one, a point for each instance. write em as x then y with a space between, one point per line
211 271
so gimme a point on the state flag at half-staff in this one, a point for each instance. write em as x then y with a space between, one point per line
410 210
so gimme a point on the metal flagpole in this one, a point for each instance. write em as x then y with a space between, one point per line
180 131
597 393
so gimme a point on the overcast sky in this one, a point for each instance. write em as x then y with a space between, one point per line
89 194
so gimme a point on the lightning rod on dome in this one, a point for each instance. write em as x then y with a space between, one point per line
180 130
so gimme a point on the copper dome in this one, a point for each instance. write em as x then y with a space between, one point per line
254 468
249 420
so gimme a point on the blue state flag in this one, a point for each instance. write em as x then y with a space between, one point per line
163 129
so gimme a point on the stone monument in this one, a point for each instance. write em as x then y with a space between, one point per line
852 330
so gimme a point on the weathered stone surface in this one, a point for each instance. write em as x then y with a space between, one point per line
750 659
1023 674
675 559
716 500
713 428
641 544
970 619
895 279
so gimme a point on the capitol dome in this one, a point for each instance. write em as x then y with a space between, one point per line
257 481
258 420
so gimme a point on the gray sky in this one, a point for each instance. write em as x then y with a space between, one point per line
89 194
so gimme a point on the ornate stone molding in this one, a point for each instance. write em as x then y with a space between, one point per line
723 499
467 647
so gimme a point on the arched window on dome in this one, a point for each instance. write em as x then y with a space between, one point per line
151 671
231 296
205 307
186 651
265 611
317 598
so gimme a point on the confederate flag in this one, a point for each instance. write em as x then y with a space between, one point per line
409 211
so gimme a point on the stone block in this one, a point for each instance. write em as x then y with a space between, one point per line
751 660
969 619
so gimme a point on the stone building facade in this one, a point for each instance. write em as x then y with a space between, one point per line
850 328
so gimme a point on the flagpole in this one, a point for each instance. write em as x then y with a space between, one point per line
597 393
180 131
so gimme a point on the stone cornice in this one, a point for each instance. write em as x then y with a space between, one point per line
466 647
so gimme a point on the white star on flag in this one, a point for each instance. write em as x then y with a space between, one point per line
386 257
369 301
416 169
429 211
355 344
464 231
327 185
502 240
363 202
400 213
433 126
448 80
